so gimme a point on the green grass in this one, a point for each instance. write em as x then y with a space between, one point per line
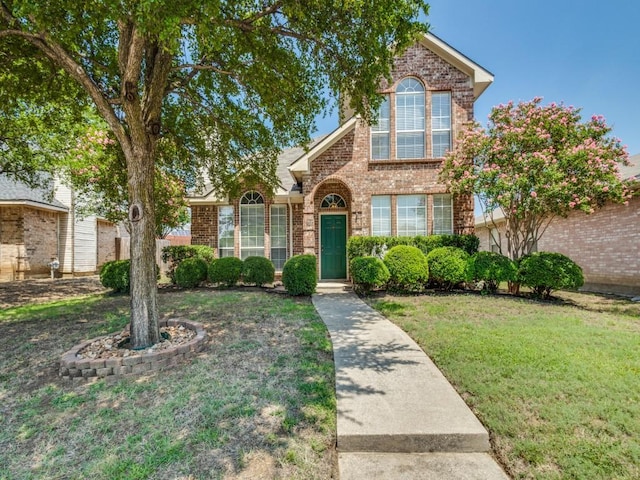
259 401
556 384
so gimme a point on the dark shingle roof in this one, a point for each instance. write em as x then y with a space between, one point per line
12 191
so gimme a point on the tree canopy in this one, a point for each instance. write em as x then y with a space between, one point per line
533 163
224 84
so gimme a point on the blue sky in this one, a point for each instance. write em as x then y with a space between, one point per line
583 53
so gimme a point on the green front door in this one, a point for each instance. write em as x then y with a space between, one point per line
333 247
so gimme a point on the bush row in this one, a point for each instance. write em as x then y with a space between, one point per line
379 246
298 275
405 268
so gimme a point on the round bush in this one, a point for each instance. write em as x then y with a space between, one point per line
258 271
190 272
368 273
299 275
447 266
116 275
408 268
490 268
225 271
547 271
174 255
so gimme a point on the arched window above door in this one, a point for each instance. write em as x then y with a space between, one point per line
333 200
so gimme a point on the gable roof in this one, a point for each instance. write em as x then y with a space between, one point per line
287 182
480 76
13 193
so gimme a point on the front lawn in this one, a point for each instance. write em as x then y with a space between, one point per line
258 402
557 384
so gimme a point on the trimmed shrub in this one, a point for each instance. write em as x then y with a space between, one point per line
225 271
447 266
408 268
299 275
174 255
490 268
378 246
116 275
191 272
547 271
258 271
368 273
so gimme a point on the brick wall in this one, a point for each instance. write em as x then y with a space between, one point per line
107 233
606 244
28 242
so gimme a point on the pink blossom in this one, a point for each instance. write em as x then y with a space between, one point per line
534 194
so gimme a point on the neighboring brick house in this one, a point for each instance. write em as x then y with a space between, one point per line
360 180
36 227
606 244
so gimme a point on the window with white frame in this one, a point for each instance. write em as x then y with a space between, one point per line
440 123
251 225
442 214
225 231
380 149
411 215
278 235
410 119
381 215
494 240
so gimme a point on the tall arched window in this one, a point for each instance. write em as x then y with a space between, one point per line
410 123
251 225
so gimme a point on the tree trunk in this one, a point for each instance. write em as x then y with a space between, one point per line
144 298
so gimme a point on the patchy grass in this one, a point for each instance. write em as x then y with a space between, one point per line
557 384
259 402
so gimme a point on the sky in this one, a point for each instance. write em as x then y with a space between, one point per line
584 53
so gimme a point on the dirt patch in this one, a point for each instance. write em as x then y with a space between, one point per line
27 292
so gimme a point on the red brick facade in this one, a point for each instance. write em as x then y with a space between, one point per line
342 163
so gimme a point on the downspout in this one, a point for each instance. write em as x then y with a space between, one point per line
290 227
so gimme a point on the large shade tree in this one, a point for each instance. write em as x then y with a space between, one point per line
534 163
229 82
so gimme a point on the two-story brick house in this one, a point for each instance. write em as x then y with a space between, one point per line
360 179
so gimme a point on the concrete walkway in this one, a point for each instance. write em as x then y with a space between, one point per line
398 416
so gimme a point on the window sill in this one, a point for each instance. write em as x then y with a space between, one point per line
404 161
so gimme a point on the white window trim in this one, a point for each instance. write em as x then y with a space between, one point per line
380 133
424 119
441 207
379 208
426 216
232 248
436 130
286 235
243 208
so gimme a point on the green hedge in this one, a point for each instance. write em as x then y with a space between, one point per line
378 246
489 269
116 275
225 271
173 255
408 268
191 272
368 273
299 275
258 271
447 266
547 271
